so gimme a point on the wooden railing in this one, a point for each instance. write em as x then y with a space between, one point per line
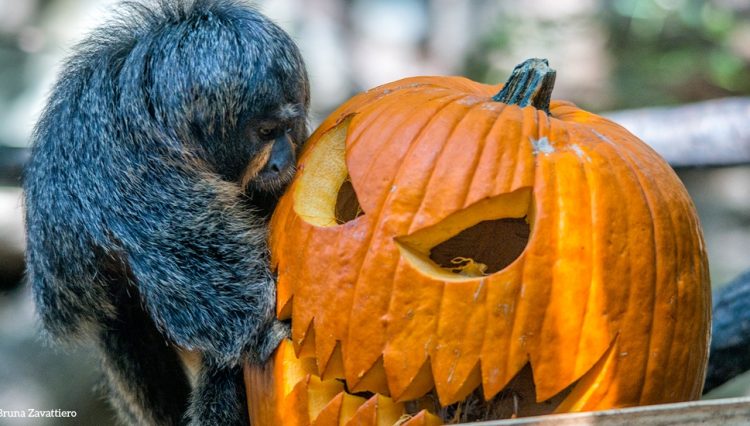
731 411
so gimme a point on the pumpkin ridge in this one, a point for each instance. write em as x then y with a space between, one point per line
583 395
530 128
405 121
363 119
610 151
350 373
477 158
592 159
439 312
340 326
487 313
694 310
362 100
418 345
429 181
565 315
425 186
508 370
337 325
662 281
516 323
382 107
506 180
521 331
605 152
662 285
675 275
648 203
346 352
433 187
581 365
488 140
673 286
511 156
591 290
301 319
471 358
422 373
377 220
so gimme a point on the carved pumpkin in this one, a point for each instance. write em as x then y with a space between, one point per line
439 241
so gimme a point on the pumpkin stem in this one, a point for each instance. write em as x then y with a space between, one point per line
530 83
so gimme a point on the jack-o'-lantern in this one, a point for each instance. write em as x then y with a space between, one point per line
443 245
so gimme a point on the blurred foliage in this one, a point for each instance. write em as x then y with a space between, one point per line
660 51
478 66
687 48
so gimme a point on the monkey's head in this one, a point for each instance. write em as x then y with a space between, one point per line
229 85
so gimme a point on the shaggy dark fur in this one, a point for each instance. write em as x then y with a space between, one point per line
140 234
730 340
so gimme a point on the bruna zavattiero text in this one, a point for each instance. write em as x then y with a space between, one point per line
34 412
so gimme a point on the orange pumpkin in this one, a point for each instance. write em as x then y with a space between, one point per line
437 240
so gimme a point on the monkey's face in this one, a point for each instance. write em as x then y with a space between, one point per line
232 87
274 143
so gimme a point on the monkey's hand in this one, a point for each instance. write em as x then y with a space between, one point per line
200 260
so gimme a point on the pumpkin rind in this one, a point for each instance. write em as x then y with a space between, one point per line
610 296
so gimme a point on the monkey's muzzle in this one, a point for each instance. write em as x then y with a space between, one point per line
273 167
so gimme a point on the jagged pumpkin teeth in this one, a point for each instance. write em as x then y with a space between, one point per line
440 243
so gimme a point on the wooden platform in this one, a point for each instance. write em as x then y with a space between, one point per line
730 411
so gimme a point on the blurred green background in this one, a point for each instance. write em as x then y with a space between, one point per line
609 56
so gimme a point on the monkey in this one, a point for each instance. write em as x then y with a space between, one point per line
164 144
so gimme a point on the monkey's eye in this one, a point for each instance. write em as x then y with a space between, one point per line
266 132
289 130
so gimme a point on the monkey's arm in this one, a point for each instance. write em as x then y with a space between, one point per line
200 260
219 396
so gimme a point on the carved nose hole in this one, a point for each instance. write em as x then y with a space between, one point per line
347 204
484 248
481 239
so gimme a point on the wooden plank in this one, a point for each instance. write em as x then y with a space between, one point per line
731 411
708 133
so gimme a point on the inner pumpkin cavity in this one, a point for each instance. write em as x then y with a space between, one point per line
484 248
324 195
479 240
347 204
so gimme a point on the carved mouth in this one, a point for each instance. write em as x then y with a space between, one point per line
292 388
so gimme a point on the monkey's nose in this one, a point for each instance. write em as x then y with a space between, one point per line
277 165
282 156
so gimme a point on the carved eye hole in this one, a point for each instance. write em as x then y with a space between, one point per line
324 195
482 239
